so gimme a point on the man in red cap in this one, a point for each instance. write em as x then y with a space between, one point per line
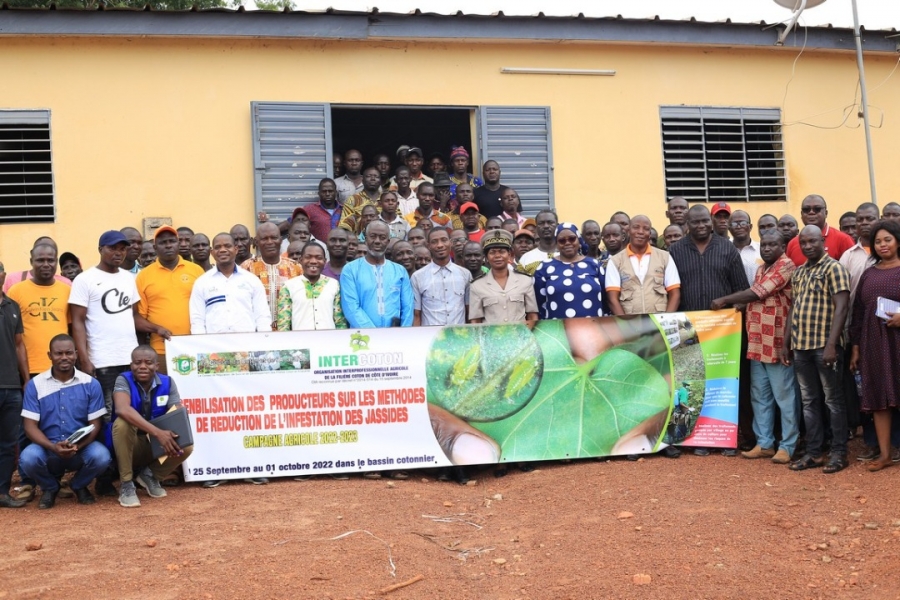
814 211
468 214
721 212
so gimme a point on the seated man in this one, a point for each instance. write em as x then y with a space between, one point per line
139 396
57 403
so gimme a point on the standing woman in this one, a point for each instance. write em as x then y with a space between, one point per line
310 301
571 284
876 342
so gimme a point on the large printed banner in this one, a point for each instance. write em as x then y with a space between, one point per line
305 403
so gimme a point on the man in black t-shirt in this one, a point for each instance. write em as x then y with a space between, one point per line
487 197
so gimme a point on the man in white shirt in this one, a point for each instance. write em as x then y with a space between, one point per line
441 288
103 306
227 298
740 226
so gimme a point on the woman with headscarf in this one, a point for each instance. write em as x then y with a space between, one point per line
570 284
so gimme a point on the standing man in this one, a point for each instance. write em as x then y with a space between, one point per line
614 238
369 195
473 260
200 251
814 212
440 288
847 223
338 243
388 214
140 396
103 305
546 222
228 299
643 279
766 223
70 266
351 181
133 253
382 162
148 255
672 234
676 211
821 288
326 213
272 269
43 302
185 235
242 242
487 197
13 372
468 214
593 235
891 211
414 161
721 212
459 170
165 293
406 197
710 267
425 193
768 303
58 403
787 226
442 199
376 292
741 227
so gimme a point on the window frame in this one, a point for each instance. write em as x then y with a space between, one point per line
40 117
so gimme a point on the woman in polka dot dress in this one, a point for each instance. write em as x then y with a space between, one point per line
570 285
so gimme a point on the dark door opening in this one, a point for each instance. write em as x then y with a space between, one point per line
379 129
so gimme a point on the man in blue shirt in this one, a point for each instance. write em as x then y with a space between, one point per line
57 403
376 292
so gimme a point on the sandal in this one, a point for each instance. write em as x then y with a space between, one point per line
23 492
835 464
807 462
400 475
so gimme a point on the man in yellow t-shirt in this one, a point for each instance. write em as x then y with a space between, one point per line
44 304
165 288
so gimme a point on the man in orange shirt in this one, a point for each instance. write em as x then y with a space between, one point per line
165 288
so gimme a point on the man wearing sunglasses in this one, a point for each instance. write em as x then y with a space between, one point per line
813 212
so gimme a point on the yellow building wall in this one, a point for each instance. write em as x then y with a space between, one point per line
161 127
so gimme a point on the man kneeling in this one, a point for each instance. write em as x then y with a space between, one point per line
138 397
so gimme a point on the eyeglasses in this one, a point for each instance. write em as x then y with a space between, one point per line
740 223
809 210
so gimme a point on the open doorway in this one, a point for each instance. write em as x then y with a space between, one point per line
381 129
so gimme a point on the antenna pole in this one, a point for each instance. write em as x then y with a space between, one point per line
865 101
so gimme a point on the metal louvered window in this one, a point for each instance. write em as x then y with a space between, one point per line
731 154
26 167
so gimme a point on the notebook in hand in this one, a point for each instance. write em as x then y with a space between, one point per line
885 306
80 434
178 423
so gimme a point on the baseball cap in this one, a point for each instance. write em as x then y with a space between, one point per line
524 232
719 207
299 211
164 229
111 238
68 257
402 149
467 206
496 238
415 150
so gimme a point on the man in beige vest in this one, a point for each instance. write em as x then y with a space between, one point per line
642 279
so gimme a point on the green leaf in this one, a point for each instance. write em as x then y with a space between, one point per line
580 410
483 373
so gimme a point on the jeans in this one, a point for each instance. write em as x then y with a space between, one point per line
820 387
771 385
10 422
47 467
107 378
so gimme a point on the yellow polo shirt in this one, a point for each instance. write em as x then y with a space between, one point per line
165 297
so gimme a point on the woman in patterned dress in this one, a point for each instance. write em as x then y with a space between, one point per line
570 284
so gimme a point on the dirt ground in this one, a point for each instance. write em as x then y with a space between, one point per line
697 527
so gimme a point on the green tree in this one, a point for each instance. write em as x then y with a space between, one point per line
93 4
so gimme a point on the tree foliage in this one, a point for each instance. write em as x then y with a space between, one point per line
93 4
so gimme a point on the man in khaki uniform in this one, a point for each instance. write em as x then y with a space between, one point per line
642 279
502 295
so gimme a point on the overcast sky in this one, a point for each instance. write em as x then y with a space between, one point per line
874 14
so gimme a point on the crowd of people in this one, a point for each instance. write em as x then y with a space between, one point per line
83 350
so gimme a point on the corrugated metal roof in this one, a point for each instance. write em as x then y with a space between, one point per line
874 14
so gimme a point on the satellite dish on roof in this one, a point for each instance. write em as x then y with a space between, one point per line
798 6
795 4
